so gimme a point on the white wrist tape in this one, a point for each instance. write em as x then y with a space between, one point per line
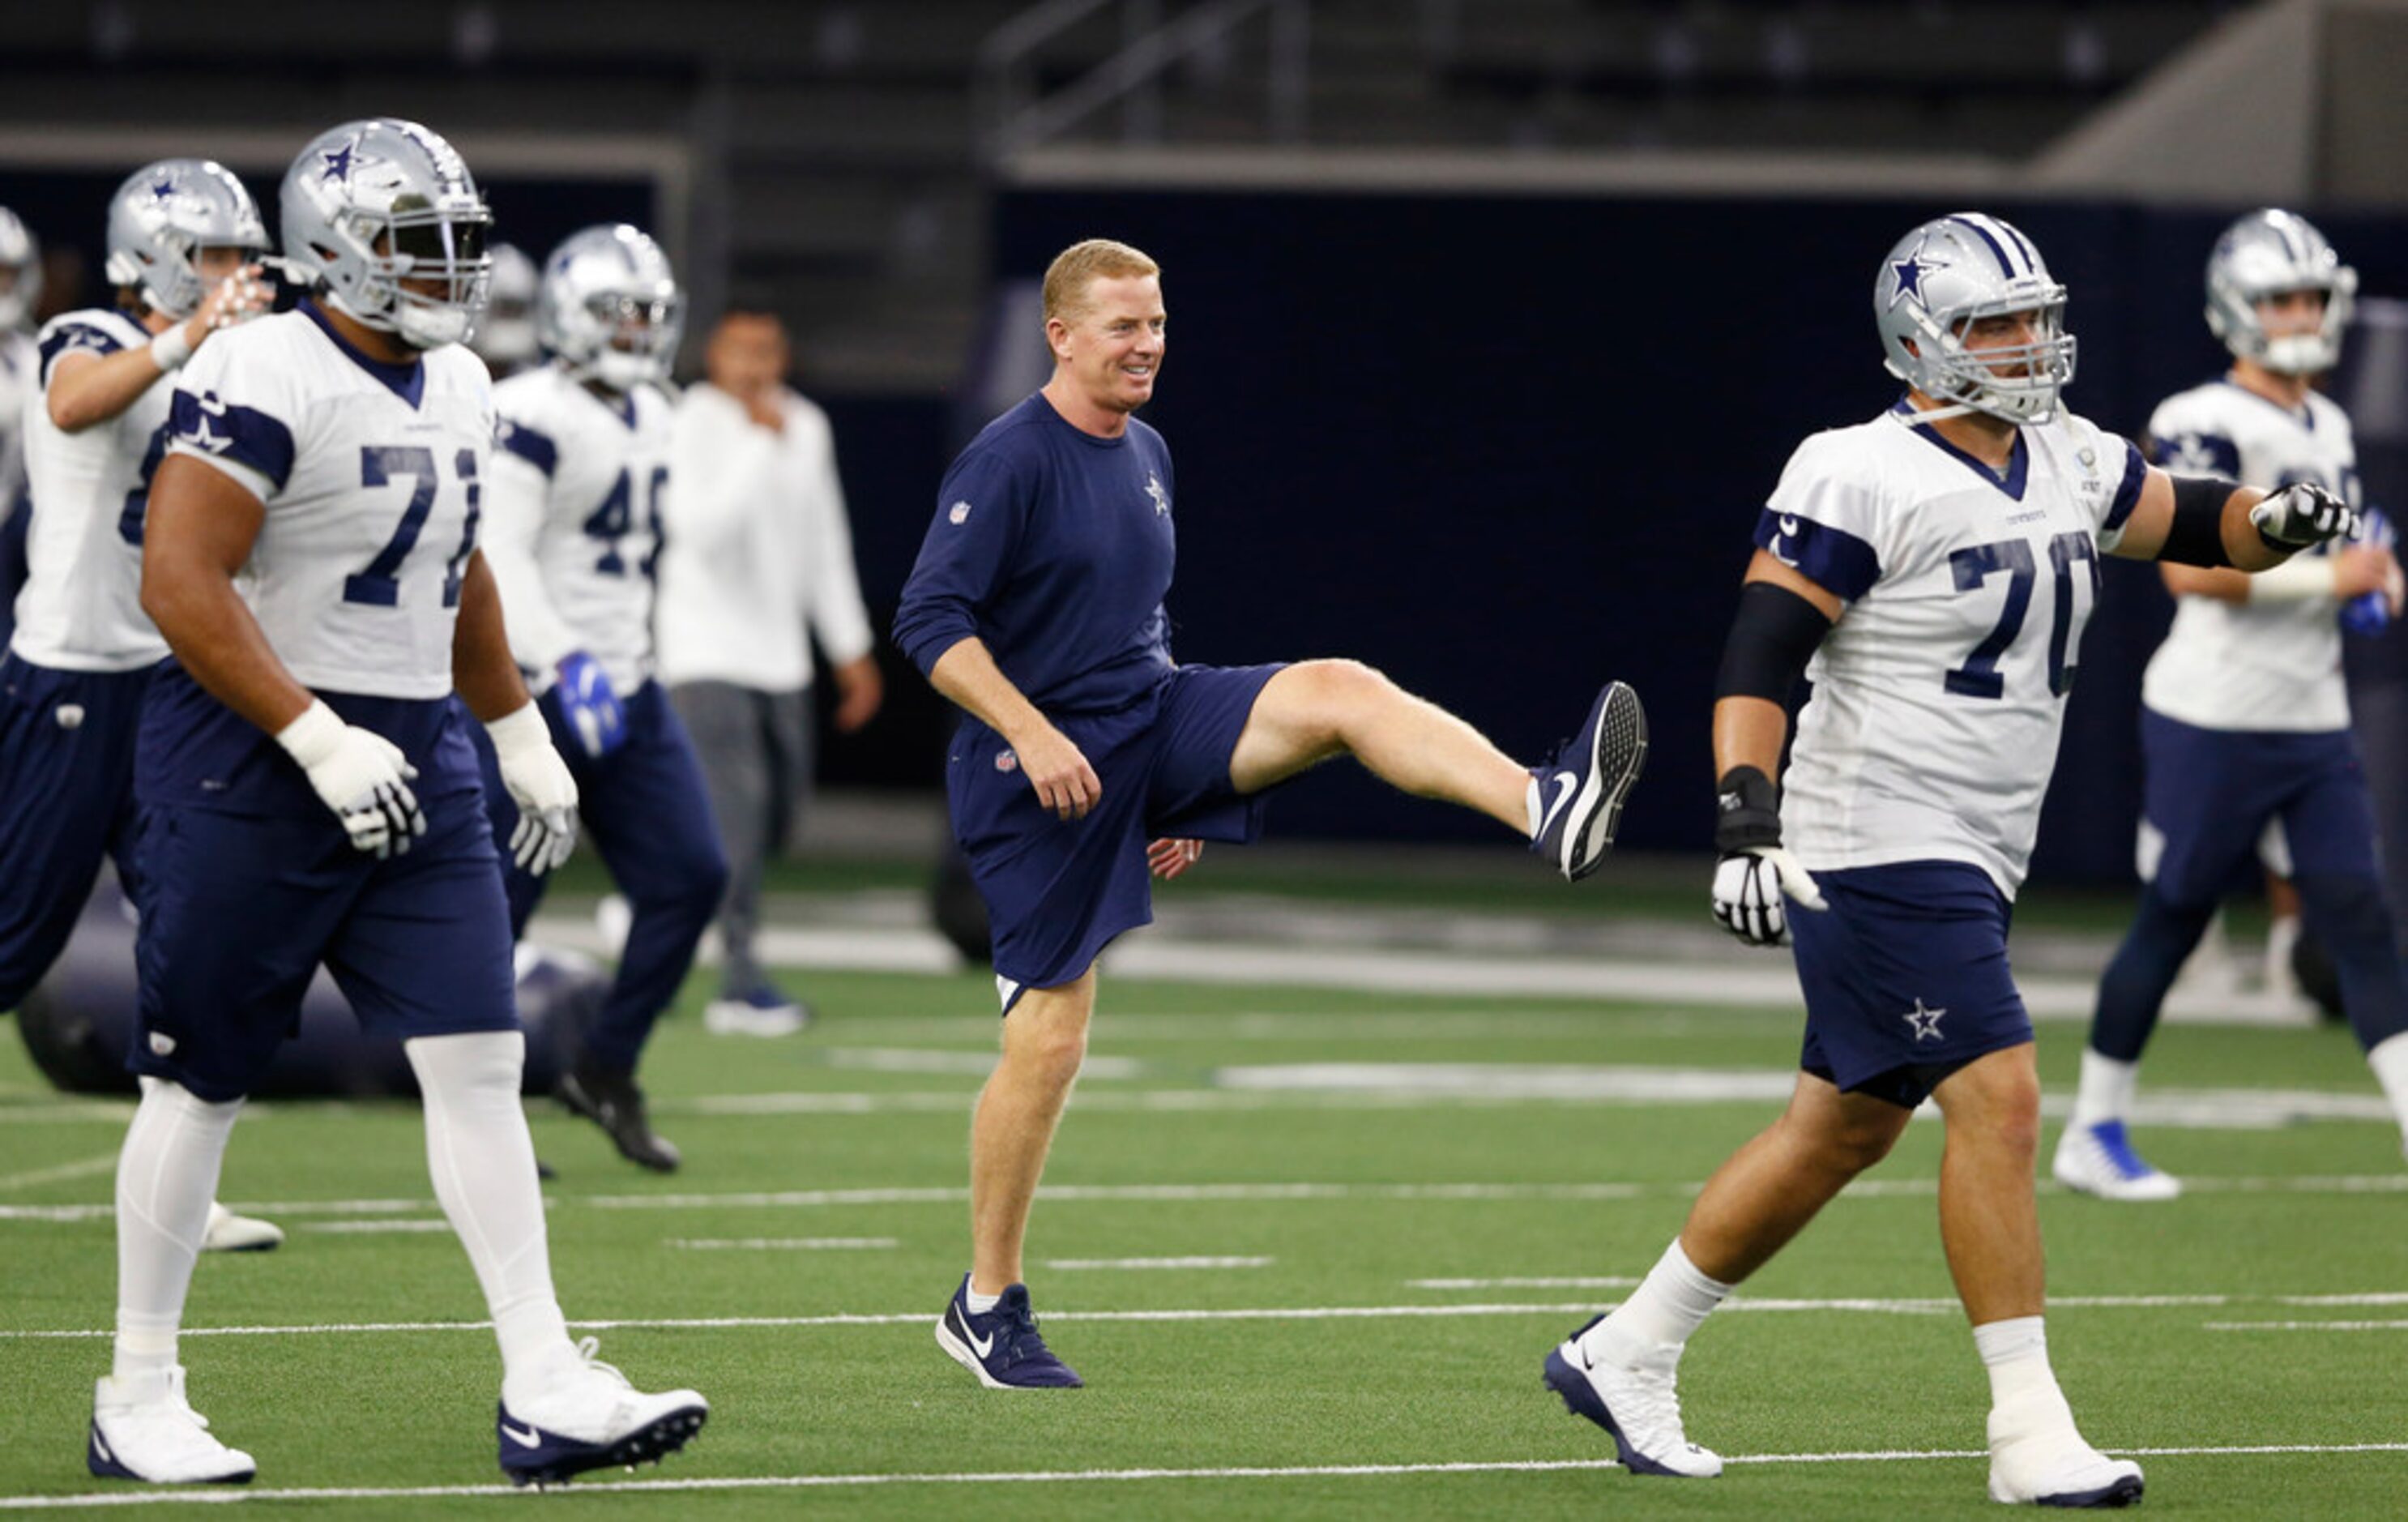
522 730
170 349
311 738
2300 578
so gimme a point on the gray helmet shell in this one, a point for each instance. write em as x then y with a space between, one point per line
370 204
164 215
21 253
1940 277
609 306
2266 253
505 336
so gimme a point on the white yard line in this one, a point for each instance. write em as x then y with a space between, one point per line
1580 1282
1920 1306
781 1245
105 1162
1144 1263
224 1496
368 1228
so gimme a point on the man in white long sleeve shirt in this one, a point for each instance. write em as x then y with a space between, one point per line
756 562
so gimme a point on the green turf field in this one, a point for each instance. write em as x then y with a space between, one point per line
1381 1269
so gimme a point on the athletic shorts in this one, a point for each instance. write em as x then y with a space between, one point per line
1057 891
1906 977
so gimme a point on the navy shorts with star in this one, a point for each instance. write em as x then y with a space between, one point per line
1906 977
1057 891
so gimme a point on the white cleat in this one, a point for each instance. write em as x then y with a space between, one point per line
2099 1159
231 1233
143 1428
1636 1402
588 1417
2037 1458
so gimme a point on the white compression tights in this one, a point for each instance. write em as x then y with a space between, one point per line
166 1176
484 1164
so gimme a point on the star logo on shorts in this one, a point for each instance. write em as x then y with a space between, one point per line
1925 1022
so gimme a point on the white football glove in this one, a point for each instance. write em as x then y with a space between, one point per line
359 774
539 784
1748 890
2302 514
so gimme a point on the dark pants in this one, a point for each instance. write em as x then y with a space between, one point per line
756 751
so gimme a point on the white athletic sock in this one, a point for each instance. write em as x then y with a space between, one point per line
1671 1302
2106 1092
483 1165
981 1304
166 1176
2016 1352
2389 1057
1535 801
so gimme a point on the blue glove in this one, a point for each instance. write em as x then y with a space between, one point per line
589 705
2368 613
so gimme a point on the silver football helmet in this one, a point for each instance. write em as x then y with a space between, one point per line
386 219
164 215
20 271
609 306
2268 253
1935 282
505 336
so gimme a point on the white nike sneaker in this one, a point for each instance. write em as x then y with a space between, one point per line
143 1428
1636 1402
589 1416
2038 1459
2099 1159
232 1233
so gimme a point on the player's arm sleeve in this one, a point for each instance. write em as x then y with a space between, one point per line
719 464
66 335
235 410
981 510
839 619
517 503
1826 521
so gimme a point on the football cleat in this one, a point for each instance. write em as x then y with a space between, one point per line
143 1428
764 1011
1580 794
2037 1458
591 1418
231 1233
1001 1347
1636 1403
2099 1159
612 1102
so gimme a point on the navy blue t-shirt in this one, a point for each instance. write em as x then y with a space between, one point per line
1054 549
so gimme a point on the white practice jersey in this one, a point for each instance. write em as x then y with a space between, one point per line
81 605
21 383
1940 694
372 475
573 521
2256 665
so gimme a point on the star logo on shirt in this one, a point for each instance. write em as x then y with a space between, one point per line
1154 489
1925 1021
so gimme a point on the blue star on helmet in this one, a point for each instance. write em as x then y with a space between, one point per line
164 189
339 163
1925 1021
1909 272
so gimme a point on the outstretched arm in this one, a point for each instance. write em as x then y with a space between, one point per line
2207 521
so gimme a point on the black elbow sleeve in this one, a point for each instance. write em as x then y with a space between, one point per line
2195 536
1773 636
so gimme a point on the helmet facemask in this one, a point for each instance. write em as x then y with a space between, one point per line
1985 379
636 338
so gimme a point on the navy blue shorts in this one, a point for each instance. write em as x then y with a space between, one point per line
2209 792
239 910
1057 891
67 800
1906 977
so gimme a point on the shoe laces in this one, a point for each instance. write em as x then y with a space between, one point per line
587 1350
2116 1146
1657 1397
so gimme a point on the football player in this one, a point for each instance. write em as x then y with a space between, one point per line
182 237
504 337
2245 723
310 557
1931 569
572 529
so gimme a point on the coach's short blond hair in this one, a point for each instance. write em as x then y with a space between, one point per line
1081 265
